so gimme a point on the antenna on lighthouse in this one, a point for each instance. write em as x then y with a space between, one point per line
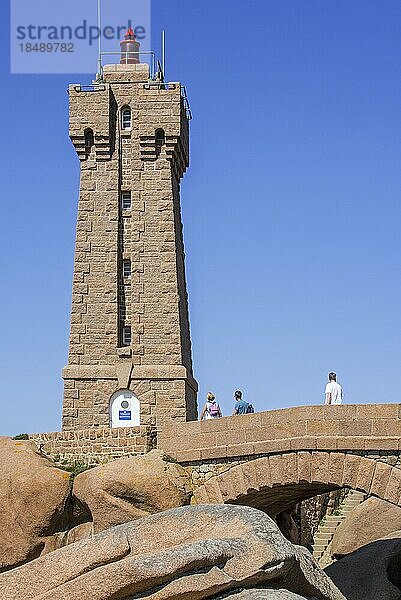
99 74
164 53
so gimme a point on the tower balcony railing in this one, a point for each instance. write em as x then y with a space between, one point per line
156 76
186 102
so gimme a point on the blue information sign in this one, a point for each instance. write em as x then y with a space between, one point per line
125 415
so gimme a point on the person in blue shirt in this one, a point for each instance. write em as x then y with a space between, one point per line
240 407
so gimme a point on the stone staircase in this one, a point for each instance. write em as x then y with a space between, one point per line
328 526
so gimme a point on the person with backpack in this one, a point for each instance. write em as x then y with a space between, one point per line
211 409
241 407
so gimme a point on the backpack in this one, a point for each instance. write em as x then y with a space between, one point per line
249 408
213 409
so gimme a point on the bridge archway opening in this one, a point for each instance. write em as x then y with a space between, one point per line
282 498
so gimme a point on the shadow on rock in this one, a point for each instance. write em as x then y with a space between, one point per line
372 572
263 595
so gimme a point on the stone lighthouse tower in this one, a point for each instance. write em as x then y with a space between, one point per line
130 351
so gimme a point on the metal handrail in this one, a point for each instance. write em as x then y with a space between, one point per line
94 87
186 102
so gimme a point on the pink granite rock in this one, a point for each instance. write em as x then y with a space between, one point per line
33 496
193 552
126 489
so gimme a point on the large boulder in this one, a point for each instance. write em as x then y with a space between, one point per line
371 520
193 552
33 498
372 572
130 488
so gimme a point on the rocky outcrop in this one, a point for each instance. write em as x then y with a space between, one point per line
193 552
130 488
43 510
33 498
372 572
371 520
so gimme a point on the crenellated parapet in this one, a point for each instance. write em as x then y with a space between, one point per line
174 148
164 125
91 121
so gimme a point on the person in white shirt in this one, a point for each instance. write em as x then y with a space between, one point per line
334 391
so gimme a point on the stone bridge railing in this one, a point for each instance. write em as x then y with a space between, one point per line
357 427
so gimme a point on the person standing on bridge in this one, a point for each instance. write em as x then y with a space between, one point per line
211 409
241 407
334 391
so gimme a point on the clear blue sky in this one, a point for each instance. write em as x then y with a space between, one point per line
291 206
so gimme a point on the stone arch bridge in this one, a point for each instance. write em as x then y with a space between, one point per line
271 460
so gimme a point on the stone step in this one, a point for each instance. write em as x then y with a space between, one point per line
333 521
319 548
327 529
325 533
323 536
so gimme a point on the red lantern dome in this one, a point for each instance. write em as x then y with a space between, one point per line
129 49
